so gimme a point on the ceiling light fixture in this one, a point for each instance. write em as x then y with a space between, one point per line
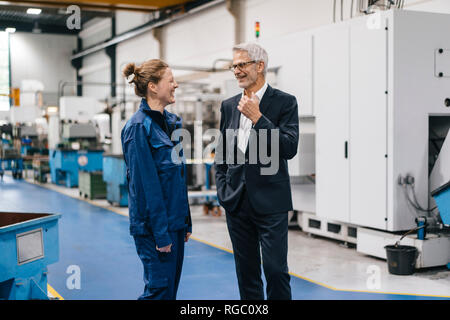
10 30
52 110
34 11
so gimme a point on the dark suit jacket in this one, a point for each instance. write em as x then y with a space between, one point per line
267 193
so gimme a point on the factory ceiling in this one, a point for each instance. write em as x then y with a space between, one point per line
141 5
54 14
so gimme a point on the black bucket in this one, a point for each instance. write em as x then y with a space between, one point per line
401 259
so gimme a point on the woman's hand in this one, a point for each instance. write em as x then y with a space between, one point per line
186 237
164 249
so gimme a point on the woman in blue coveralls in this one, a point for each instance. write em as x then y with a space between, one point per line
160 220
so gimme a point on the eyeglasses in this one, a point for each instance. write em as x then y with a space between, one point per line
241 65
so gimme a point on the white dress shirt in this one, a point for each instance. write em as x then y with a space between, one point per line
245 124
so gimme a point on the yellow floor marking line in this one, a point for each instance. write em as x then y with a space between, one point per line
312 281
54 293
211 244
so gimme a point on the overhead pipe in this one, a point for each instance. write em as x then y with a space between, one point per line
62 84
203 69
334 11
101 9
351 9
140 30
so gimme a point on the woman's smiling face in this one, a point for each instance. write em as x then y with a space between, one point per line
166 88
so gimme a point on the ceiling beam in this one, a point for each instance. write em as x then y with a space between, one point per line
132 5
28 27
144 28
52 11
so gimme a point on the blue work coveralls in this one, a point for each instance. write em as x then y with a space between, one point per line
158 204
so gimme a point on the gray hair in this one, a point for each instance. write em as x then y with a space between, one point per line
255 52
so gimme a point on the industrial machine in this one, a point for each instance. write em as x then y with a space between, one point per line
74 139
381 108
115 176
78 150
199 107
91 184
41 168
442 198
28 244
10 158
28 137
31 142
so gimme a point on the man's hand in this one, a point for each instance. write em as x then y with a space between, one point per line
186 237
164 249
249 107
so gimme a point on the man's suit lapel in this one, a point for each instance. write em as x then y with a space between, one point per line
236 115
265 102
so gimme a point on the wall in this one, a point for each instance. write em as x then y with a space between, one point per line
43 57
199 39
96 67
95 31
278 18
135 50
127 20
205 36
438 6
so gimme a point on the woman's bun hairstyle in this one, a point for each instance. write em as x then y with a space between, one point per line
129 70
150 71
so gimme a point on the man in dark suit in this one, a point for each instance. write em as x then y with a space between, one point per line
255 198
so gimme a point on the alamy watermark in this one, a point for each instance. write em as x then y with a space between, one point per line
74 20
374 280
74 280
263 148
374 20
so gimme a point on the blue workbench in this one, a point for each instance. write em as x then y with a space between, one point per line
65 164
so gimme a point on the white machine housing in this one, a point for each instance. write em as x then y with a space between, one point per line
81 109
376 82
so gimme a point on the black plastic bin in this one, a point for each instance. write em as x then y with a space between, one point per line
401 259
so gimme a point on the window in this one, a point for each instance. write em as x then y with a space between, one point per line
4 72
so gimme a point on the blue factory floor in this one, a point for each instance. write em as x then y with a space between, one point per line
96 241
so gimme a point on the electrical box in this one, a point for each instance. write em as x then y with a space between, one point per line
376 82
81 109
